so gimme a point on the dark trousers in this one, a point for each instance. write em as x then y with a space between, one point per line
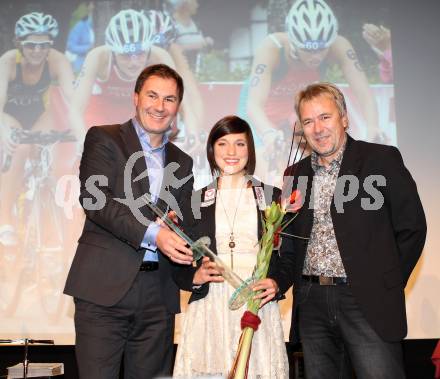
337 339
139 328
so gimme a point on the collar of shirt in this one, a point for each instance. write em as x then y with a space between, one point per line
144 138
334 164
154 159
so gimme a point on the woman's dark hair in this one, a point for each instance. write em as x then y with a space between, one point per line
230 125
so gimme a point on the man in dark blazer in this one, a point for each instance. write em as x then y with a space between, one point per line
121 276
365 230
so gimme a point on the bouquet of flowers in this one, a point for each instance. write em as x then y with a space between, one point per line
272 227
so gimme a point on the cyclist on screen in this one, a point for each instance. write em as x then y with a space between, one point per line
27 72
288 61
81 37
188 35
379 39
105 86
165 33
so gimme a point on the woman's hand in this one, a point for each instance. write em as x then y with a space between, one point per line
268 287
207 272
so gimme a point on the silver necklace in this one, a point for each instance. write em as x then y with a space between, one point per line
231 226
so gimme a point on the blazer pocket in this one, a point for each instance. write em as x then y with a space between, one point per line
95 239
393 278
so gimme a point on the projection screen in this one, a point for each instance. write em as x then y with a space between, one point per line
236 42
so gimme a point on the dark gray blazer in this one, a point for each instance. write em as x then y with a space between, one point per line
379 248
109 254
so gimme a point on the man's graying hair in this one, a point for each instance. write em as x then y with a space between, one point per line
318 89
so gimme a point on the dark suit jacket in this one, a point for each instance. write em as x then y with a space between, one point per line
379 248
204 225
109 254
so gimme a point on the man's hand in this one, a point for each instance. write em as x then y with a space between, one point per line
207 272
268 287
174 247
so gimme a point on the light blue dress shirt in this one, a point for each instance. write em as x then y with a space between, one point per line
155 160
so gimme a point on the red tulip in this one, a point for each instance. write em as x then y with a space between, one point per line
295 201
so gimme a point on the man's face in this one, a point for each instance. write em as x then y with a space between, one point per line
130 65
324 128
157 104
35 48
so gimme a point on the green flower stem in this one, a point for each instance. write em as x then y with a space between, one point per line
273 219
245 350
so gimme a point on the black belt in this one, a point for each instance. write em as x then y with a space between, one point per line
149 266
325 280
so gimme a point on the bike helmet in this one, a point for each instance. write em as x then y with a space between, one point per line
311 25
36 23
129 32
164 29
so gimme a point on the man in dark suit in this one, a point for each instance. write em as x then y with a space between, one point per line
121 276
366 230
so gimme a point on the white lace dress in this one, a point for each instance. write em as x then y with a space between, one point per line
210 333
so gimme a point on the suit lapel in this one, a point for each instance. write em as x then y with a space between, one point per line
351 161
260 213
350 166
132 145
305 214
170 156
208 215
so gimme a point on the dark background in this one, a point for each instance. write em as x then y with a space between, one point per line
416 353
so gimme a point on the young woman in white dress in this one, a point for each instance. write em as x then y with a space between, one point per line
230 214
